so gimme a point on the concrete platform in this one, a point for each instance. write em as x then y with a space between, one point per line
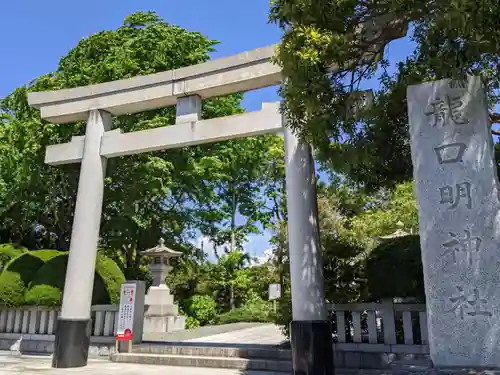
31 365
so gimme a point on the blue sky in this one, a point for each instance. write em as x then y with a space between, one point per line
41 32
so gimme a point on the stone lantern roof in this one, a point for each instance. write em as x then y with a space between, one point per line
398 233
161 250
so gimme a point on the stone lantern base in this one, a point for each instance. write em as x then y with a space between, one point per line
162 314
164 324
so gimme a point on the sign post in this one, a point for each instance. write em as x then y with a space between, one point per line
274 294
130 314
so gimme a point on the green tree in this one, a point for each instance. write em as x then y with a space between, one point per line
386 215
276 207
190 277
202 308
229 279
400 258
452 38
342 254
239 172
147 196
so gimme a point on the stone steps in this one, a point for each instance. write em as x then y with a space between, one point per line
251 357
247 357
204 361
410 366
247 351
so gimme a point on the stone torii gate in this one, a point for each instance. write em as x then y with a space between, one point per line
185 88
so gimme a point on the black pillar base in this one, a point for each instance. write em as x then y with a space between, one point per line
72 343
312 347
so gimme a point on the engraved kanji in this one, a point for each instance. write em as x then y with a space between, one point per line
453 195
468 244
450 153
447 109
462 303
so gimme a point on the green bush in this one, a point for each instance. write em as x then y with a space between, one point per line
283 316
394 269
18 273
192 322
8 251
256 310
46 288
112 277
202 308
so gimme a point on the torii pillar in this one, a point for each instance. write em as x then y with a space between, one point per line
73 326
311 332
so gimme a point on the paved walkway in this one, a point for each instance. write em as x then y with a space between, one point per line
194 333
31 365
264 334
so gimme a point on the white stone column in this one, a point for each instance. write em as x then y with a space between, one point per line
73 330
306 263
311 335
87 219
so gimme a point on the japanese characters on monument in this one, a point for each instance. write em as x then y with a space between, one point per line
125 326
457 196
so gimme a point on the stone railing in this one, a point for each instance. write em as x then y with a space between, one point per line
380 327
36 324
39 320
104 320
368 328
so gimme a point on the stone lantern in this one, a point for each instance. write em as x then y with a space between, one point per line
160 261
162 314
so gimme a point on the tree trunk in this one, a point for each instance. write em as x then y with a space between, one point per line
137 264
233 222
232 303
280 268
129 262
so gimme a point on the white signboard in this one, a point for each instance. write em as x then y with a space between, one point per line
125 325
274 291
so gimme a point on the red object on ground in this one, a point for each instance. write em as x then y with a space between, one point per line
126 336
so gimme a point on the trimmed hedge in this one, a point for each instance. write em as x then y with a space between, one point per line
34 281
111 276
18 273
8 252
47 286
394 269
45 289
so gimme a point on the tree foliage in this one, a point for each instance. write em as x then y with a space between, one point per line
401 259
238 170
452 38
167 194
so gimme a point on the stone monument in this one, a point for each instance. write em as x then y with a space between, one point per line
458 204
162 314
